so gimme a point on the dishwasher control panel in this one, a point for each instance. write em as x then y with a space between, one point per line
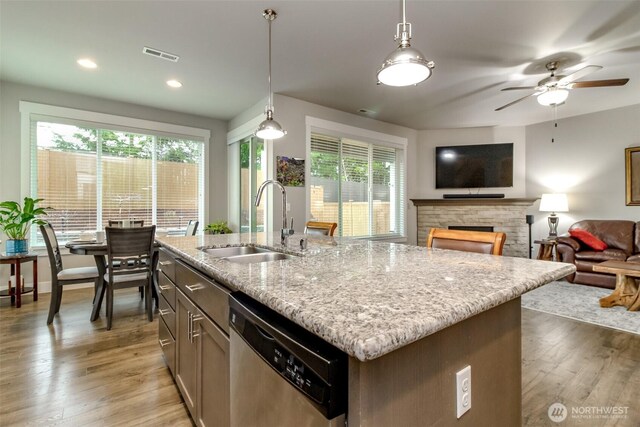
294 370
314 367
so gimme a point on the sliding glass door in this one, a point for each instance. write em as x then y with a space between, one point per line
252 169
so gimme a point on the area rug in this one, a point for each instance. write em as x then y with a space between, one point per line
580 302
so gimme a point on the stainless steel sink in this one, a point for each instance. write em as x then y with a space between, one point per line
233 251
259 257
246 254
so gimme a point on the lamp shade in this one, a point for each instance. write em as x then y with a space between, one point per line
554 203
403 67
553 96
270 129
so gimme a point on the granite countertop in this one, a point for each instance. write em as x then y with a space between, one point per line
369 298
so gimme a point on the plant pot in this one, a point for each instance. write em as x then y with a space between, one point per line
16 247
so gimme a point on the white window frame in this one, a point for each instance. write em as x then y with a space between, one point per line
34 111
314 124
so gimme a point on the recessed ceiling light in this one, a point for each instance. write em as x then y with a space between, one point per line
87 63
174 83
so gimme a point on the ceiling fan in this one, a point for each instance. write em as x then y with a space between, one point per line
554 89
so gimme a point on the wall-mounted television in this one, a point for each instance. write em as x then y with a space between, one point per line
474 166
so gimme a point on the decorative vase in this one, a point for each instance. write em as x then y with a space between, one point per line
17 247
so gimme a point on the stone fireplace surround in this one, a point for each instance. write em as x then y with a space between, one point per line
506 215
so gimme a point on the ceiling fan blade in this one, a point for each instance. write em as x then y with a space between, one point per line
578 74
519 88
517 100
598 83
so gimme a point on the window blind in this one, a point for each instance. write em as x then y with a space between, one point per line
92 175
359 185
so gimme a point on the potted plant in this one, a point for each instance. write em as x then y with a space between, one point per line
16 220
219 227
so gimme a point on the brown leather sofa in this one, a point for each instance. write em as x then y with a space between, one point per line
622 239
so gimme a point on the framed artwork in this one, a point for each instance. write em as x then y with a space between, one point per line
632 168
290 171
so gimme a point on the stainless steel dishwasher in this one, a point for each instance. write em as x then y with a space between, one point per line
281 374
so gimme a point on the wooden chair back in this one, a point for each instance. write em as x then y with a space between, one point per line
192 227
126 223
469 241
53 249
320 228
130 250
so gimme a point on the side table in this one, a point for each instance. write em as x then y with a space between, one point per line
547 249
16 261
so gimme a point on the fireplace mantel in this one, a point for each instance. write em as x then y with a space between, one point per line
478 201
506 215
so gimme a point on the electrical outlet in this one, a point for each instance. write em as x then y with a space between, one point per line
288 207
463 391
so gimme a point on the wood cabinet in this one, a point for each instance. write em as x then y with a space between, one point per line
166 325
202 346
212 373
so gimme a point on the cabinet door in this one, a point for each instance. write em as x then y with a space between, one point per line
213 373
186 352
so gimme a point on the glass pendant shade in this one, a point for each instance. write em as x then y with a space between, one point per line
403 67
553 96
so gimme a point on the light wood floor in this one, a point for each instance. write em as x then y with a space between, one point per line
76 373
579 365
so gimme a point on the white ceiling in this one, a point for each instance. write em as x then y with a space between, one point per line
326 52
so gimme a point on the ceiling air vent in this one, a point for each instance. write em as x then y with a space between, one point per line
160 54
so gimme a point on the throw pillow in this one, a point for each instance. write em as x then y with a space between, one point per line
588 239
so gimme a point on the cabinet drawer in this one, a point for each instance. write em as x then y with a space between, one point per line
167 289
210 297
168 345
167 264
168 314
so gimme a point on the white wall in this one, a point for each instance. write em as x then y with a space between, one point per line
586 161
291 114
10 170
426 163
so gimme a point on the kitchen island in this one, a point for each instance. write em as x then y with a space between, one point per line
408 317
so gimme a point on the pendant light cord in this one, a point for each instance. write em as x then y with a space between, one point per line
270 107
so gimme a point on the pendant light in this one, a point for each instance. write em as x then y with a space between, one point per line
406 65
269 128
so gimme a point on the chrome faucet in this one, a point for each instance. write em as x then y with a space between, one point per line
284 231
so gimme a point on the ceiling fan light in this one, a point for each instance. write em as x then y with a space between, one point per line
270 129
553 96
403 67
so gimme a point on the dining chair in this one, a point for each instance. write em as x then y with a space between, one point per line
469 241
320 228
126 223
130 263
192 227
61 276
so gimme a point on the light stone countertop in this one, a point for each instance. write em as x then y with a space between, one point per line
369 298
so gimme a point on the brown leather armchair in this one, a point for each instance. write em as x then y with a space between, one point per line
623 241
